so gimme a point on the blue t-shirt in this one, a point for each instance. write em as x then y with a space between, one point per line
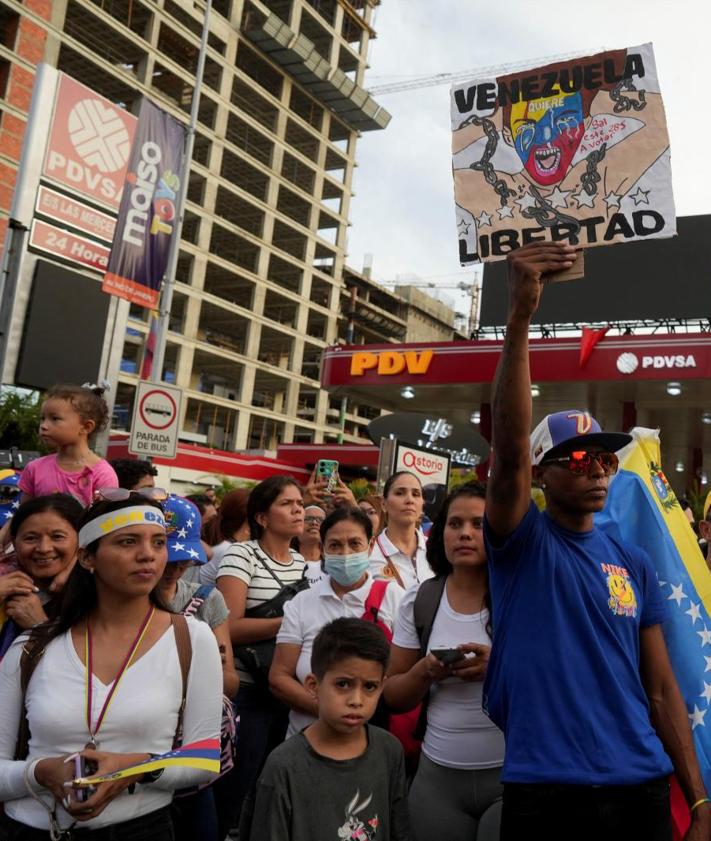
563 679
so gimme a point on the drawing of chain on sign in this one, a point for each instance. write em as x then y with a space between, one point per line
576 151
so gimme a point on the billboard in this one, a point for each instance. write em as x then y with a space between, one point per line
89 144
147 215
670 281
575 150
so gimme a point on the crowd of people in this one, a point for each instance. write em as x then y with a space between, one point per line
365 682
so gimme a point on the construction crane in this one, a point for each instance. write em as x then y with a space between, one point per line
416 82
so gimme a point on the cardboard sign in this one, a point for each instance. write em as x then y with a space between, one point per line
156 416
576 151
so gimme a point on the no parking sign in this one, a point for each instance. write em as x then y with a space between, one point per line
156 415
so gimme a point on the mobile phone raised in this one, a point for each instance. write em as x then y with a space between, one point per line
448 656
327 469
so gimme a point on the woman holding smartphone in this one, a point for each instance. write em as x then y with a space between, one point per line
106 683
398 552
443 665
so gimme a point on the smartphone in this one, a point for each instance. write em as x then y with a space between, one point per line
448 656
83 768
327 469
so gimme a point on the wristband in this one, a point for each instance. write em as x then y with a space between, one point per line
699 803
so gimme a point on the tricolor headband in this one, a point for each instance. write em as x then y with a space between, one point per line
134 515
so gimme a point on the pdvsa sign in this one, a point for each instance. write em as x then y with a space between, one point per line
89 143
628 363
388 363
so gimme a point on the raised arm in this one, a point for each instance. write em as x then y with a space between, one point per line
509 485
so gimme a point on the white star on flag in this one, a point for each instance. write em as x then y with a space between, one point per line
178 547
190 523
15 506
559 198
505 212
707 692
193 553
182 533
484 219
526 201
8 515
677 594
705 636
708 663
694 612
584 199
697 718
612 200
640 197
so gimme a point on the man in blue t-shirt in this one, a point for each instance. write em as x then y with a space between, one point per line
579 679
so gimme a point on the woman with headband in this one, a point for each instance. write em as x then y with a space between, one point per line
106 681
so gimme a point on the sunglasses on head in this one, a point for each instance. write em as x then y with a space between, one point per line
580 461
121 494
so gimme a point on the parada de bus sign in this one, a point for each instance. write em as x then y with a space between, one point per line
156 416
388 363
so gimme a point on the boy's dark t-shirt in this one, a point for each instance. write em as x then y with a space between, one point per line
303 796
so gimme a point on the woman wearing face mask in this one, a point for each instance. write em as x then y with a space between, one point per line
399 550
44 534
345 534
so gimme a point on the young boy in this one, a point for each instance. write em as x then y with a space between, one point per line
339 779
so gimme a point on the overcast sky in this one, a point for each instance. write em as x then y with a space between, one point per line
403 211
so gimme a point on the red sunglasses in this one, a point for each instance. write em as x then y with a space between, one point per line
580 461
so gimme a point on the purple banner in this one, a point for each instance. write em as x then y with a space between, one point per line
147 214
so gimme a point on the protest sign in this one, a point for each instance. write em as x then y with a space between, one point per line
575 151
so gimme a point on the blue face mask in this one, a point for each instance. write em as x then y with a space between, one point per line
346 569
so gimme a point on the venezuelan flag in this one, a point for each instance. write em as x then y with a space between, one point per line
204 755
642 509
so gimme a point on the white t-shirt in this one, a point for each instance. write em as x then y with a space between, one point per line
249 562
141 719
459 734
410 572
310 610
314 572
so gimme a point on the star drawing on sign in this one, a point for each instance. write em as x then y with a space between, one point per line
707 692
640 197
463 226
178 547
505 212
694 612
584 199
182 533
697 718
559 198
484 219
526 201
612 200
705 637
677 594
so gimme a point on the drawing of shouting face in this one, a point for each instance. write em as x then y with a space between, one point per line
546 133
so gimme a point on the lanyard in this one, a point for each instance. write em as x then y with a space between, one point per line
114 686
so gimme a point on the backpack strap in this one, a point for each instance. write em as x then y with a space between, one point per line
30 657
185 656
429 595
373 603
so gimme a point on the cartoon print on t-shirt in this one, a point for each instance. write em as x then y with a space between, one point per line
622 600
354 829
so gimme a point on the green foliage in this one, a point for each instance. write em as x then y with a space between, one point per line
696 496
461 477
226 484
19 420
360 488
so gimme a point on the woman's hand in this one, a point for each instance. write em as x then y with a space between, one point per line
106 763
16 584
60 579
26 611
53 773
472 668
433 668
314 492
343 495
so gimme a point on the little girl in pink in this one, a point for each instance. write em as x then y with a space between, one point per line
70 416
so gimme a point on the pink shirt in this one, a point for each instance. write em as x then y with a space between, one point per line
43 476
